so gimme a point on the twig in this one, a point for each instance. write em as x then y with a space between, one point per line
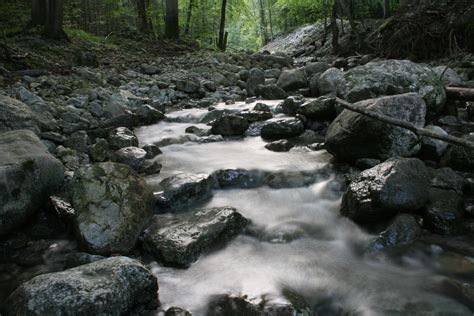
422 132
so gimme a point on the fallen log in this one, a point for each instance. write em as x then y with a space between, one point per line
422 132
458 93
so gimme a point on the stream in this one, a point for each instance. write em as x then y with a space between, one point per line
297 241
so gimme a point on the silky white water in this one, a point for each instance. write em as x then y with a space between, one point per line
297 241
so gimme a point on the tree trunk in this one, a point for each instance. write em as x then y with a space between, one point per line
172 19
386 9
188 17
142 16
53 27
38 13
221 44
263 29
270 19
335 29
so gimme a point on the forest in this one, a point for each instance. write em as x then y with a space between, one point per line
237 157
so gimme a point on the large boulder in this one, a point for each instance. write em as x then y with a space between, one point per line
271 92
280 128
352 135
28 174
180 240
396 185
293 79
182 190
386 77
230 125
16 115
256 78
112 207
121 137
112 286
131 156
320 109
459 157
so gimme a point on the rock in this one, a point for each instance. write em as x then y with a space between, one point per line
281 145
261 107
312 69
291 105
150 69
110 286
151 151
256 77
131 156
280 128
396 185
198 131
366 163
444 212
321 109
150 167
77 259
447 179
341 62
450 76
112 207
386 77
180 240
433 149
100 151
16 115
352 136
237 178
28 174
146 115
122 137
230 125
177 311
70 158
459 158
78 141
188 86
401 233
255 116
184 189
270 92
272 73
291 80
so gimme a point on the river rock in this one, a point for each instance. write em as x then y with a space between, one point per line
279 128
386 77
256 78
237 178
121 137
112 207
321 109
444 212
146 115
78 141
180 240
28 174
281 145
100 151
433 149
292 80
458 157
270 92
230 125
352 136
112 286
16 115
291 105
401 233
151 151
256 116
396 185
184 189
133 157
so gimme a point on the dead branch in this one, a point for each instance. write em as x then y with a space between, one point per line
422 132
458 93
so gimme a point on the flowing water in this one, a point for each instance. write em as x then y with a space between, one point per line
297 242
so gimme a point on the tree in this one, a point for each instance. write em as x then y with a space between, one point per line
144 26
38 13
53 20
263 28
221 43
189 13
172 19
386 9
334 28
